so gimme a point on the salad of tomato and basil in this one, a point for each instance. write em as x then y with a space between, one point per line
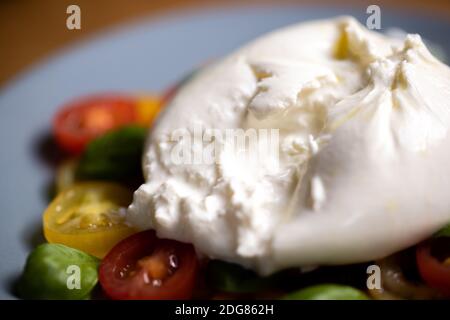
103 138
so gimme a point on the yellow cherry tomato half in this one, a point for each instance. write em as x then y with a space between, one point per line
89 217
147 108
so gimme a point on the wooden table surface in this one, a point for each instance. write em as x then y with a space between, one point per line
32 29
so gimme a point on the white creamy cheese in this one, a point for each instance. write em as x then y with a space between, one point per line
364 151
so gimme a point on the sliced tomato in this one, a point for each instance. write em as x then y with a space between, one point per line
80 121
147 108
431 259
143 267
88 217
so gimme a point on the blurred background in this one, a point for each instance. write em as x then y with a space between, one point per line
32 29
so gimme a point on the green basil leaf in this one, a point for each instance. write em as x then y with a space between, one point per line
114 156
54 271
327 292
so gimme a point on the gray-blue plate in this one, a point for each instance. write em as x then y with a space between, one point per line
145 56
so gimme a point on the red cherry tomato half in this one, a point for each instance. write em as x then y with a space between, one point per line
434 271
79 122
143 267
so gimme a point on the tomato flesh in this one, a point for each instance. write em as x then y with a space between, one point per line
79 122
87 216
435 273
143 267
